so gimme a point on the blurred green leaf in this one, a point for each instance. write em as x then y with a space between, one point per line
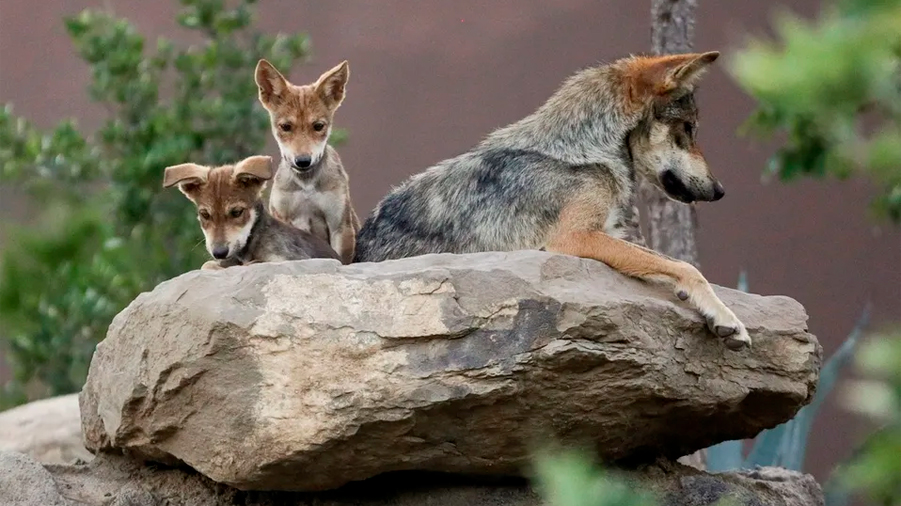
833 87
875 468
569 478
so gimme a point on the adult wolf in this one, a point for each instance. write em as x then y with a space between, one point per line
564 179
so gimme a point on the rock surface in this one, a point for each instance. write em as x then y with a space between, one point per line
309 375
113 480
48 430
24 482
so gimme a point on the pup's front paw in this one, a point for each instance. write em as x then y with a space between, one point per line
727 326
211 265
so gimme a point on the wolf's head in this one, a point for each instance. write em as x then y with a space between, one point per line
664 145
301 115
226 198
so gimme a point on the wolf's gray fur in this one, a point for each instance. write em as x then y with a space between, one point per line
507 193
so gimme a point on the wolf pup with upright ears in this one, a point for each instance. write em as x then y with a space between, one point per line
236 226
311 189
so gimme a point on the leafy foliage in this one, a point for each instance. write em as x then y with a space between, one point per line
571 479
876 469
109 231
833 87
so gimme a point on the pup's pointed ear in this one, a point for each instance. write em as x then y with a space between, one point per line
188 177
331 85
253 170
271 82
658 76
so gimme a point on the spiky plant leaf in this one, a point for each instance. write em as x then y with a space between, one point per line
725 456
786 444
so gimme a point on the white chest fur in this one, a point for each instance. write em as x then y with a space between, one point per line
309 209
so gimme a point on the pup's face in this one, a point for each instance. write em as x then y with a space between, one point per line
226 199
664 145
301 115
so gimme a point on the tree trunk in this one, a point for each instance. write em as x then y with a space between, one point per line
671 226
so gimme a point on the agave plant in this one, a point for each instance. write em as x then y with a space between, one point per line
786 445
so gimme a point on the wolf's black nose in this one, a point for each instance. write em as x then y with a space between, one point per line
718 191
303 161
220 252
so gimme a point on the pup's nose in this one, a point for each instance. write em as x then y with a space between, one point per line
718 191
220 252
303 161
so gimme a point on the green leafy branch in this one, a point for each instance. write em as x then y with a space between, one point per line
833 87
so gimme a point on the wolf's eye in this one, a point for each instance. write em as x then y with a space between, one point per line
285 127
236 212
318 126
204 214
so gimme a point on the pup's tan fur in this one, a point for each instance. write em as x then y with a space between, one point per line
311 189
235 224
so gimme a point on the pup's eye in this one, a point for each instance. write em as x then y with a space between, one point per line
689 129
236 212
204 214
285 127
318 126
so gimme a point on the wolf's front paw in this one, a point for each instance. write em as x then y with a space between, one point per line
727 326
211 265
720 319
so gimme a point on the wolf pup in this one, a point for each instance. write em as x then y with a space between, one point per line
564 179
236 226
311 189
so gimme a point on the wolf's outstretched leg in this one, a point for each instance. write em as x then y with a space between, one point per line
636 261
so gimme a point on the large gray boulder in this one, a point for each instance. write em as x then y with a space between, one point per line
309 375
48 430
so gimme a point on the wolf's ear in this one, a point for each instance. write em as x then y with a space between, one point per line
253 170
331 85
661 75
690 72
271 82
188 177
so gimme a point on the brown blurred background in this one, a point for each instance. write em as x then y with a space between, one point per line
430 78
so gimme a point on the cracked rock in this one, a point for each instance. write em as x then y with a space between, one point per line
309 375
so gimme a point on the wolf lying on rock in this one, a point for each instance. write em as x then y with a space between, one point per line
564 179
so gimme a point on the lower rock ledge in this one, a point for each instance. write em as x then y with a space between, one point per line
112 480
